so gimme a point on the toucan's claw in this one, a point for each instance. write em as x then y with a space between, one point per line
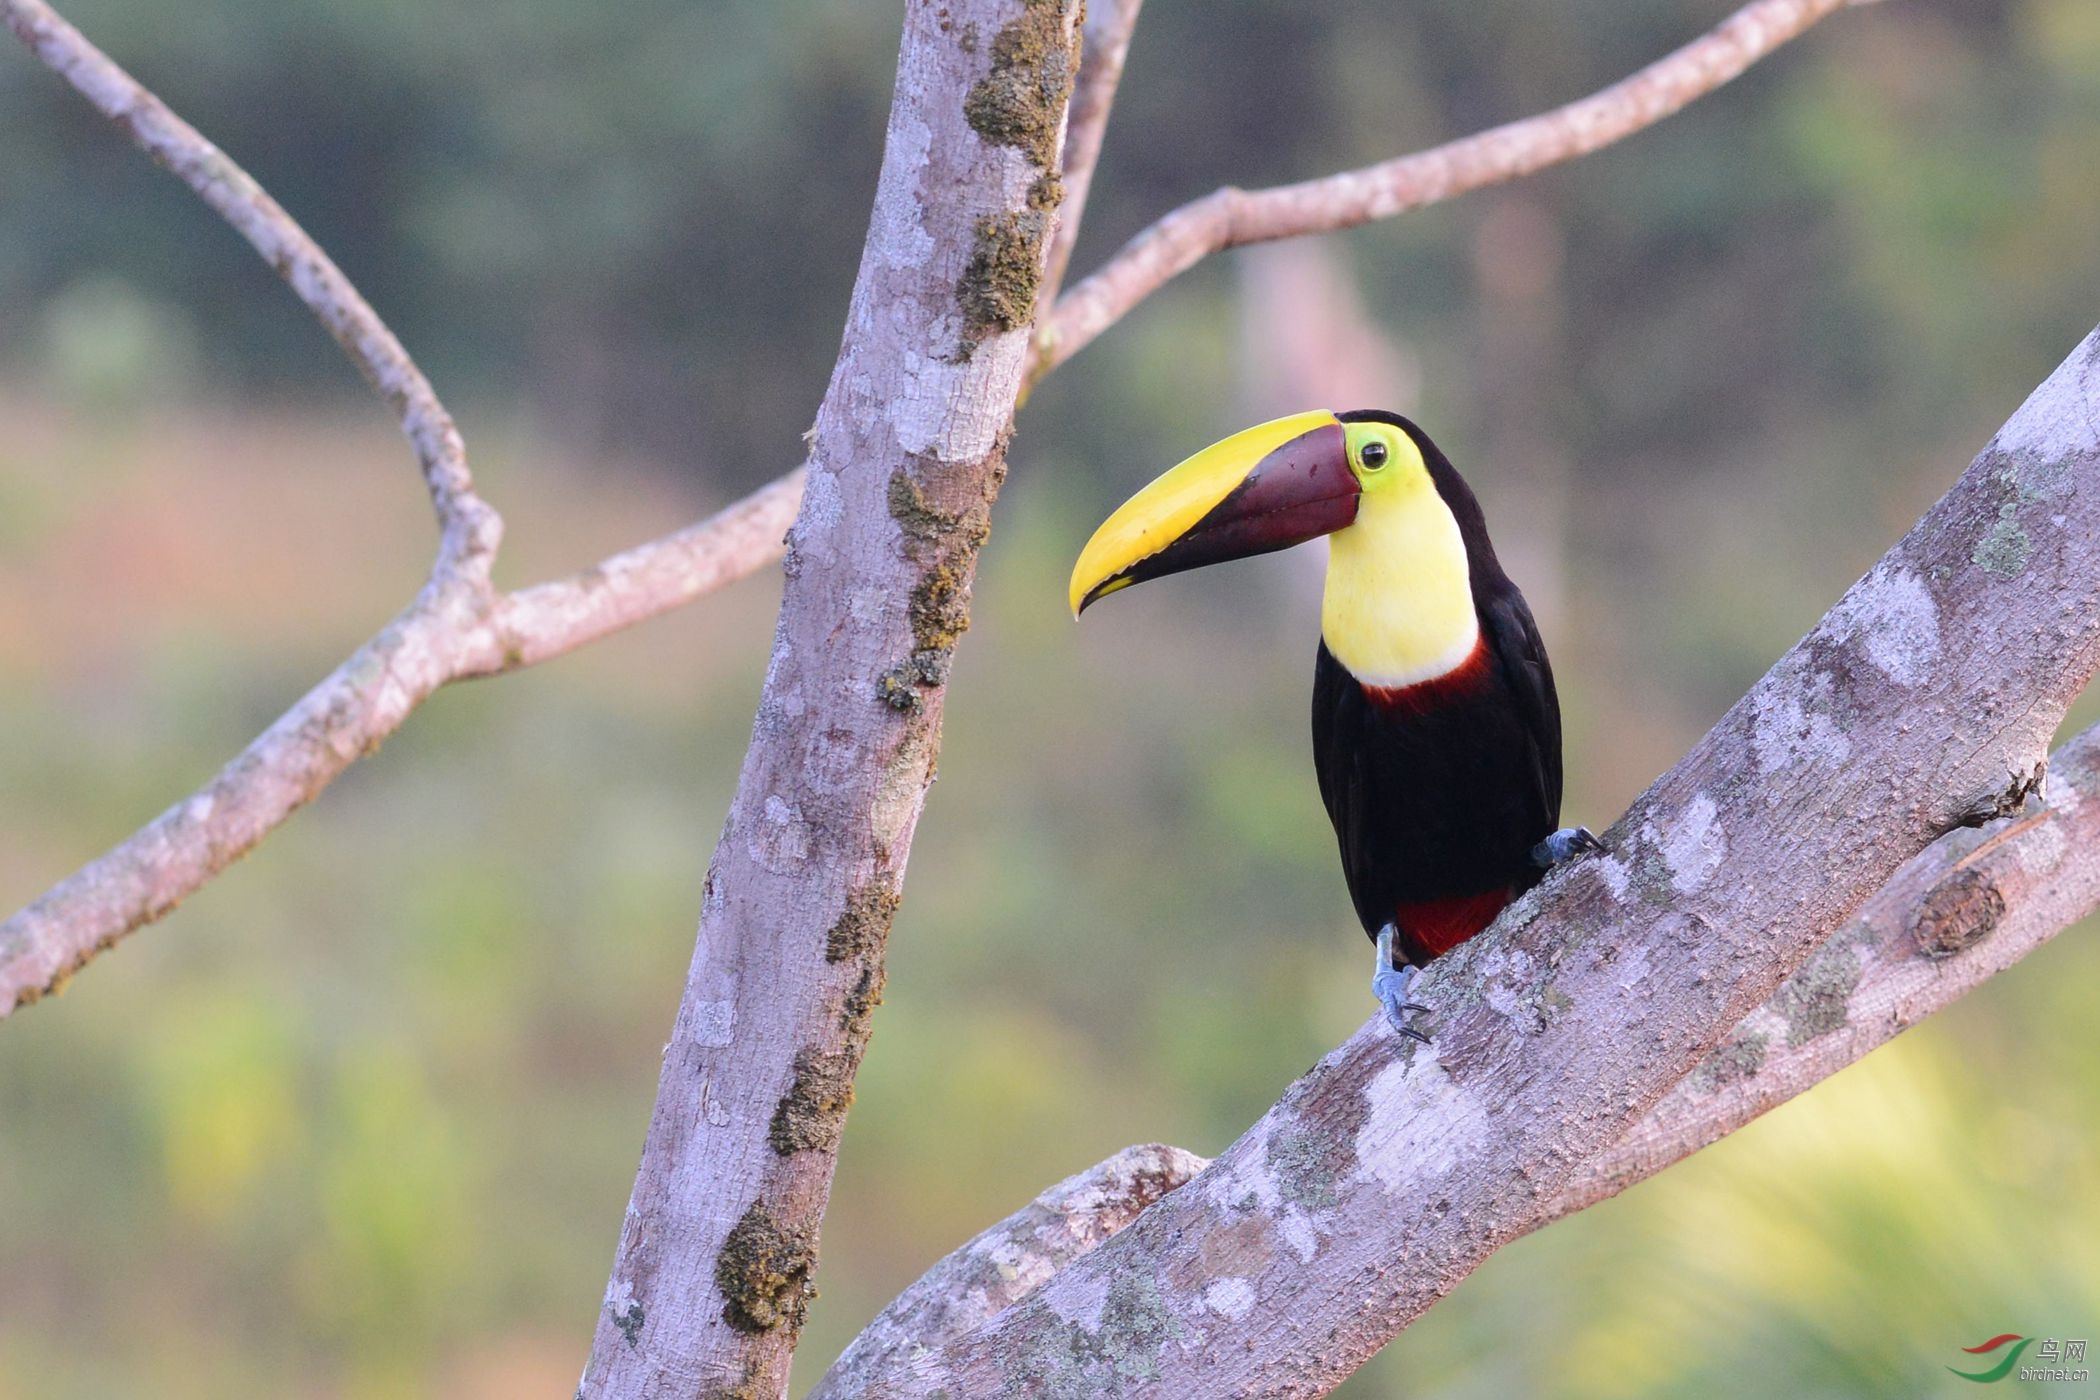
1564 844
1391 985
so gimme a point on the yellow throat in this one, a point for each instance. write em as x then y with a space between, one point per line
1398 607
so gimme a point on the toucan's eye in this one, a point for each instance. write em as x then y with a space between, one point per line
1373 456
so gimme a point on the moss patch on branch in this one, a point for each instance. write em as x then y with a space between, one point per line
857 1014
944 525
1021 102
1005 271
764 1272
940 607
925 521
811 1115
864 925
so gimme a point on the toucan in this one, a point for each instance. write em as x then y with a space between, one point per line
1436 728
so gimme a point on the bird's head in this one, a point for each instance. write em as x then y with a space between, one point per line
1267 488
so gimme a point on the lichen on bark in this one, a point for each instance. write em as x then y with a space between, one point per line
1733 1060
1814 1000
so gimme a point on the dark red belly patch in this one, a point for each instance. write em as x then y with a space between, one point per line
1439 925
1454 685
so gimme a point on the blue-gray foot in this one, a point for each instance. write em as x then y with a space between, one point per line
1390 983
1564 844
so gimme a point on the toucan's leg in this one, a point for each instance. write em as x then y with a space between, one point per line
1390 984
1564 844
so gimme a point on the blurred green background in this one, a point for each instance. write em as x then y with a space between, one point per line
360 1120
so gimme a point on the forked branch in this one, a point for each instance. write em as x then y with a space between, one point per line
457 627
446 633
1971 905
450 632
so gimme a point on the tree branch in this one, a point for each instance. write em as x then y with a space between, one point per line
457 627
182 849
712 1276
1965 909
1923 701
552 619
446 634
471 529
1109 26
1006 1263
1970 906
1229 217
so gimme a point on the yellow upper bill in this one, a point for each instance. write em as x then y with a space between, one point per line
1166 510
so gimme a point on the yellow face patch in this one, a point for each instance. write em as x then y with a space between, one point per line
1398 607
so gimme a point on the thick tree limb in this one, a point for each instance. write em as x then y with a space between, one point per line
1229 217
712 1276
974 1284
1970 906
1923 701
190 843
451 632
1966 908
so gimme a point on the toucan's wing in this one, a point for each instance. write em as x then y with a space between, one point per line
1512 636
1350 786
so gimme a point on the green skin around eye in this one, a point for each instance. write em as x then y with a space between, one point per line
1366 442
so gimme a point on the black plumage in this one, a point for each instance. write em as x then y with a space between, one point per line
1439 790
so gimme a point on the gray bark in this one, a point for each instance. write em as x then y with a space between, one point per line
1924 701
1006 1263
1971 905
715 1260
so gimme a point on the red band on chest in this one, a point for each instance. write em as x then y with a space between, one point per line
1440 925
1455 684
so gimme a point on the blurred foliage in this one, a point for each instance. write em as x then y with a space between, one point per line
360 1120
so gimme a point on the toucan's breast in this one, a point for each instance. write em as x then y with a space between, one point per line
1462 682
1435 792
